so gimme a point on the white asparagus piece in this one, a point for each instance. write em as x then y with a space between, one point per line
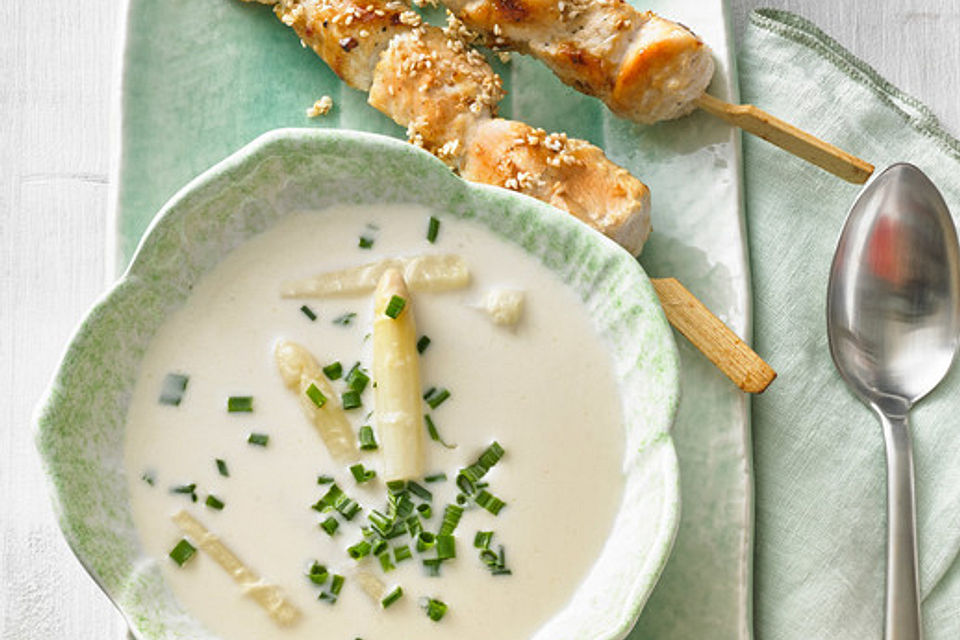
504 306
268 596
299 370
433 272
396 374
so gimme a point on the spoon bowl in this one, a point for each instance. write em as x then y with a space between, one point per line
893 321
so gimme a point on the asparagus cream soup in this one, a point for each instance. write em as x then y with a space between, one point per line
373 423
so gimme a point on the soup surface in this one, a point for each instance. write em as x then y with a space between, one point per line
544 389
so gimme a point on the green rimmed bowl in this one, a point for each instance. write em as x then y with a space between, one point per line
81 420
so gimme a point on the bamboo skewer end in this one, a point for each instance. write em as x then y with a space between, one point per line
789 138
712 337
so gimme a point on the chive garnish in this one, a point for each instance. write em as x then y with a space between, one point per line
316 396
436 477
446 547
451 518
333 371
350 400
435 397
422 344
490 502
359 550
394 307
345 319
362 475
324 479
482 539
186 489
336 584
258 439
402 553
421 492
173 387
434 433
435 609
397 486
425 510
433 228
330 499
240 404
431 566
307 311
386 563
366 242
222 468
414 526
148 477
379 547
182 552
214 502
425 541
367 440
330 525
392 597
318 574
356 379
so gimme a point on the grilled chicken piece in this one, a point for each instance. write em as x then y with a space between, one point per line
446 95
642 66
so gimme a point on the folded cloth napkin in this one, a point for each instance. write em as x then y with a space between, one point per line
820 483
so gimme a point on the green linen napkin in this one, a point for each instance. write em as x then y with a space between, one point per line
820 483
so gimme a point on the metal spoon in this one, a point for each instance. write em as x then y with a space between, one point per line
893 320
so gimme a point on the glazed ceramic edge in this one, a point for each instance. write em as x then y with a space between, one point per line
80 420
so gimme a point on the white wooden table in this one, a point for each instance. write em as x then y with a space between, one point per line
58 79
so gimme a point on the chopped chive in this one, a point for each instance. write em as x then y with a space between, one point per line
307 311
318 574
422 344
327 597
435 609
397 486
402 553
435 397
425 510
330 525
324 479
186 489
362 475
386 563
148 478
348 509
172 390
316 396
330 499
421 492
414 526
436 477
468 480
222 468
333 371
394 307
482 539
359 550
214 502
446 547
496 563
392 597
356 379
351 400
425 541
367 440
258 439
490 502
379 547
451 518
345 319
431 566
433 228
366 242
240 404
434 433
182 552
336 584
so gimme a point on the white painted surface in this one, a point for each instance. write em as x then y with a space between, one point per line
57 78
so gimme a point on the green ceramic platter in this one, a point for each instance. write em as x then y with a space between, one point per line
202 79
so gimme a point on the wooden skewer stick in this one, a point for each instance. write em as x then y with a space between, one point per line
711 336
789 138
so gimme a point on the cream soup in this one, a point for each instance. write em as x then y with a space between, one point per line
542 388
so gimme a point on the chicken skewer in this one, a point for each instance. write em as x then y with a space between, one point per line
446 94
643 67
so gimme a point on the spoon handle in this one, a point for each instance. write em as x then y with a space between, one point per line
902 618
